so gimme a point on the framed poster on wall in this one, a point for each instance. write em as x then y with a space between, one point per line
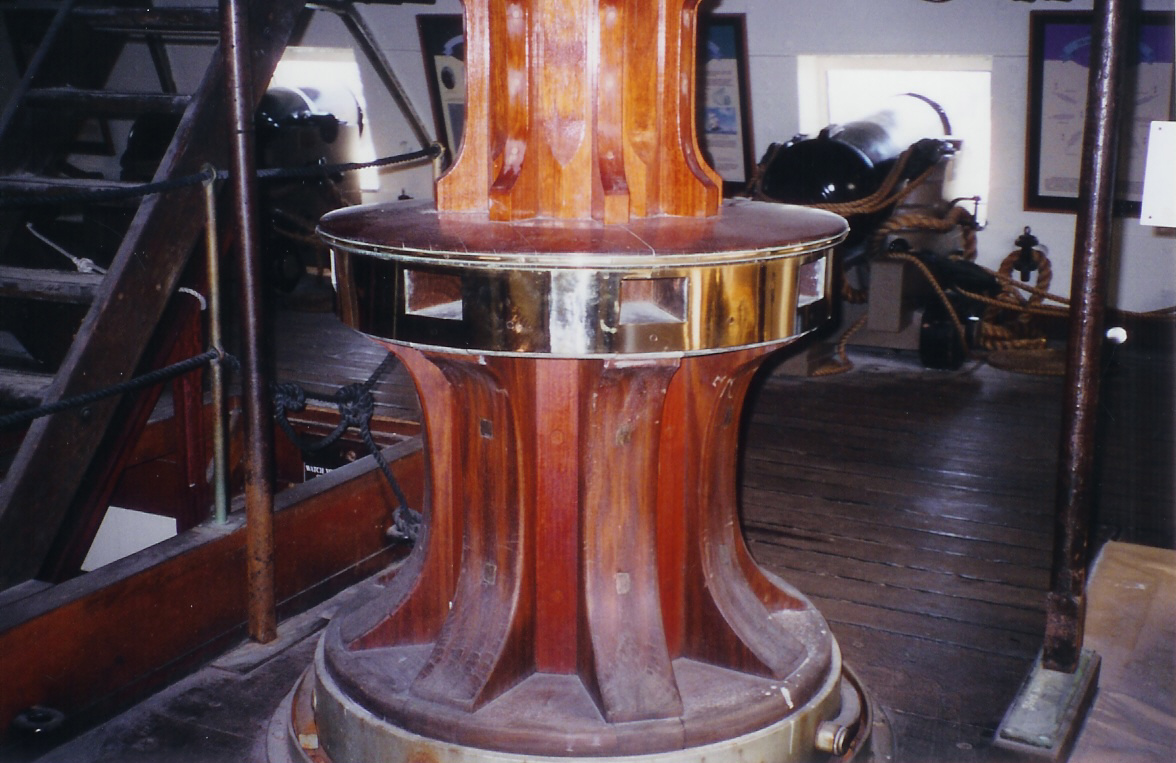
443 48
724 111
1060 50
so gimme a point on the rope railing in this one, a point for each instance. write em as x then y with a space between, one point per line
100 195
131 385
355 401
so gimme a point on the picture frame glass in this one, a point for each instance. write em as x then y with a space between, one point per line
724 107
443 50
1059 69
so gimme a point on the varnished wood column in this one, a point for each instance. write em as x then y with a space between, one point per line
580 109
582 524
582 320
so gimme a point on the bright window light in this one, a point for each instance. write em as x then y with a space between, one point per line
840 89
333 76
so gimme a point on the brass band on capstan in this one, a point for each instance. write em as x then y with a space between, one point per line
587 291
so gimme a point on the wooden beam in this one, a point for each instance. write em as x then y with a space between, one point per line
177 22
108 104
49 285
21 389
86 513
118 631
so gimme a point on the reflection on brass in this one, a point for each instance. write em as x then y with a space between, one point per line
511 300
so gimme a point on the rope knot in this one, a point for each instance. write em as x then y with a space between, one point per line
406 524
355 403
288 397
356 406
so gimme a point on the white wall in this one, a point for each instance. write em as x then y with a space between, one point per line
780 30
395 28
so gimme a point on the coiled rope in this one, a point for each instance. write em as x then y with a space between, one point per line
1006 325
886 195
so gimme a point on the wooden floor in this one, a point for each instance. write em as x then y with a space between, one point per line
319 353
913 506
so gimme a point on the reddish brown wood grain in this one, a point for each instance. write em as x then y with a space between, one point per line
484 646
718 599
557 521
116 631
583 518
570 116
630 669
417 599
583 564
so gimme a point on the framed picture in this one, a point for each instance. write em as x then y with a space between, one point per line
724 123
443 48
1059 66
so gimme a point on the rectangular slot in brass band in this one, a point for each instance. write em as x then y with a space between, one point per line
810 281
653 300
432 294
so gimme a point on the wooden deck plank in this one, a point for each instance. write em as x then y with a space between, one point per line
941 630
919 591
878 543
1000 542
317 351
828 482
915 508
896 669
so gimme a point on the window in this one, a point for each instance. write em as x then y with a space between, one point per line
840 89
330 78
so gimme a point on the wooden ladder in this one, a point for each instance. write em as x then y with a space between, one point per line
83 286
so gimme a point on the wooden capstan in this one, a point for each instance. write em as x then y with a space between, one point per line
583 326
580 109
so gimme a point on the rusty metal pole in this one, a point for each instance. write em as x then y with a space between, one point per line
259 498
1066 603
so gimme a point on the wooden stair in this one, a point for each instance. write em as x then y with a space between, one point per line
64 131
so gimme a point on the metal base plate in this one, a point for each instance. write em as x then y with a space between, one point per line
1045 718
292 737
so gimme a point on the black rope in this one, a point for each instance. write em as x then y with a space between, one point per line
356 406
289 397
164 186
139 382
355 402
406 521
326 170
